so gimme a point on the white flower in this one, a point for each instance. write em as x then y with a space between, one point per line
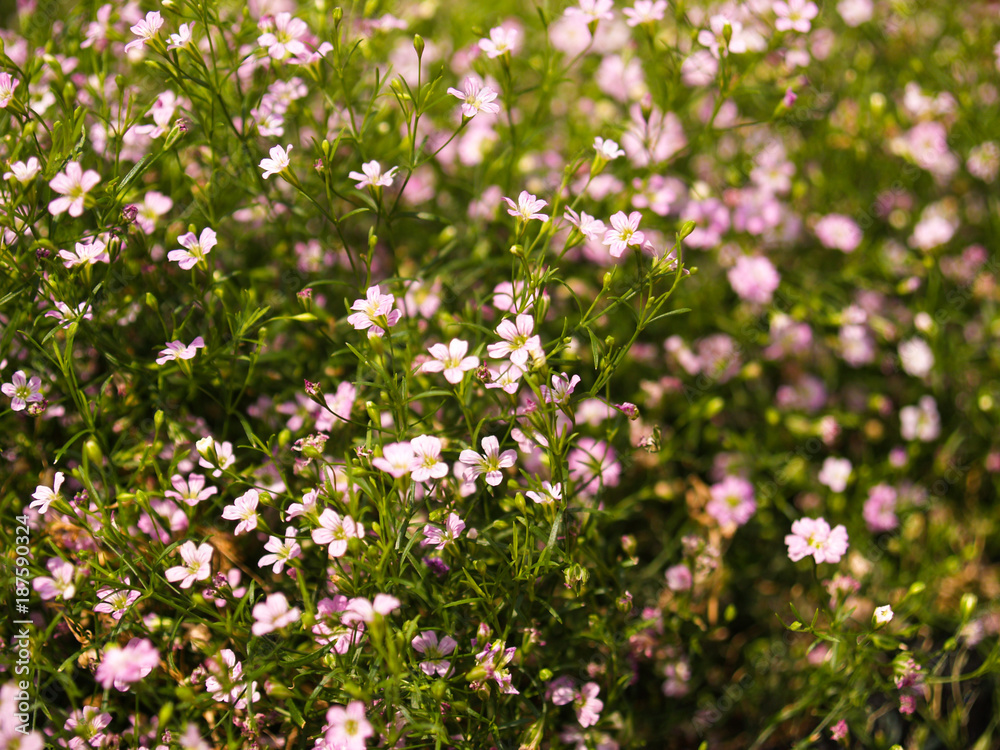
882 616
916 357
278 162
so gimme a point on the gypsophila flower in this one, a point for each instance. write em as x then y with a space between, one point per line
607 149
191 490
278 162
244 510
373 176
195 248
645 11
732 501
146 30
116 602
527 207
373 312
335 531
882 616
835 473
588 226
550 493
427 464
178 350
281 551
813 536
490 462
441 538
21 391
434 651
501 41
794 15
197 564
624 232
396 459
60 585
518 342
273 614
7 86
23 172
347 728
182 38
87 253
72 184
121 667
44 497
450 360
281 36
494 660
476 98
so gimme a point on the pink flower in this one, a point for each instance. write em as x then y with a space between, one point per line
921 422
679 578
454 527
25 172
489 463
427 464
839 232
22 391
518 341
835 473
794 15
348 728
7 86
87 725
839 730
434 652
593 464
374 312
278 162
360 609
451 360
592 11
191 491
115 602
502 41
373 176
588 706
550 493
195 248
880 509
336 531
506 378
607 149
146 30
813 536
44 496
273 614
197 565
624 232
154 205
183 37
396 459
494 660
244 510
60 584
178 350
645 11
73 185
282 38
123 666
476 98
527 207
87 253
589 227
281 551
732 501
754 279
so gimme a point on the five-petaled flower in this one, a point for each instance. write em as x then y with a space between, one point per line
22 391
502 41
813 536
434 651
426 464
272 614
281 551
441 538
373 176
244 510
87 254
7 86
624 232
72 184
197 564
476 98
451 360
195 248
374 312
527 207
278 162
518 341
146 30
347 728
490 462
179 350
335 531
44 497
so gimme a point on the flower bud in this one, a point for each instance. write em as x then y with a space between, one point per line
93 451
418 45
968 605
686 228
